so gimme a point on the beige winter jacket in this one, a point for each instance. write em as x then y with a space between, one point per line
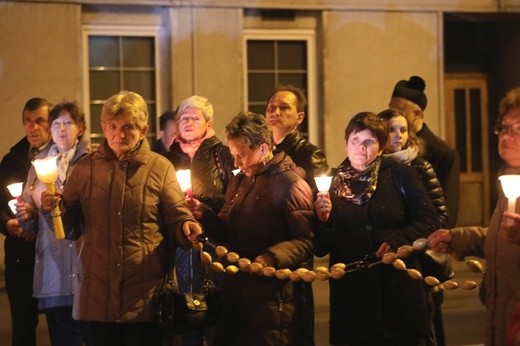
128 211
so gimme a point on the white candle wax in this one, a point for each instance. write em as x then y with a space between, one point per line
184 178
511 204
15 189
46 169
323 183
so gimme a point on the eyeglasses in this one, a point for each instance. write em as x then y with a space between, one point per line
513 129
67 124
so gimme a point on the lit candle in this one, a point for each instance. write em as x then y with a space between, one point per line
511 187
184 178
15 190
323 183
47 172
12 205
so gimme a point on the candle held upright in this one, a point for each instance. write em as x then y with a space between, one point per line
511 187
184 178
15 190
323 183
47 172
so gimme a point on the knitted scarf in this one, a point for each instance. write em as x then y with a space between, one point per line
405 156
346 175
63 161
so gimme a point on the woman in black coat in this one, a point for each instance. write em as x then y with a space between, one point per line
366 213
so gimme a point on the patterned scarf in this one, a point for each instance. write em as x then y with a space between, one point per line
346 175
63 161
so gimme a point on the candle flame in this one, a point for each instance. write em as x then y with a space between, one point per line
15 189
323 183
46 169
184 179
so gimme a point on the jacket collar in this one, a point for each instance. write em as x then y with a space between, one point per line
289 140
278 164
137 156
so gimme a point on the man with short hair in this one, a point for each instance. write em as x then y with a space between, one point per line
284 113
18 246
168 132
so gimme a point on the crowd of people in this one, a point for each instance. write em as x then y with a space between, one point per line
127 223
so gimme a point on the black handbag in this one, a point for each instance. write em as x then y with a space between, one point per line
184 312
436 265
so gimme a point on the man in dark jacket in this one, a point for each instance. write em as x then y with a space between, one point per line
168 132
409 98
18 246
285 112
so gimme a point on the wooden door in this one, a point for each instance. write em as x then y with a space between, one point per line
466 105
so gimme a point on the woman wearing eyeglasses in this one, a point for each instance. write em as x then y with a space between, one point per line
499 243
374 206
56 259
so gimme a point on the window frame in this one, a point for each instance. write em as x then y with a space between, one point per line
307 35
126 31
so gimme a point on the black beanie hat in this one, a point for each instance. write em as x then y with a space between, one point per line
412 90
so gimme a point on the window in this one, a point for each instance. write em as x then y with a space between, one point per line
273 58
120 60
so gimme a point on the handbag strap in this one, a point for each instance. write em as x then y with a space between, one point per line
223 175
169 279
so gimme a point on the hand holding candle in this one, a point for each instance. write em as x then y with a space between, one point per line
323 205
47 172
184 178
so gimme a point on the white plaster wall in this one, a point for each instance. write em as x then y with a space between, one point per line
40 55
207 59
365 54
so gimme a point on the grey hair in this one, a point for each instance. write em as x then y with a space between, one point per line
197 102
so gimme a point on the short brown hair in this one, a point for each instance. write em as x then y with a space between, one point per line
368 121
252 128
